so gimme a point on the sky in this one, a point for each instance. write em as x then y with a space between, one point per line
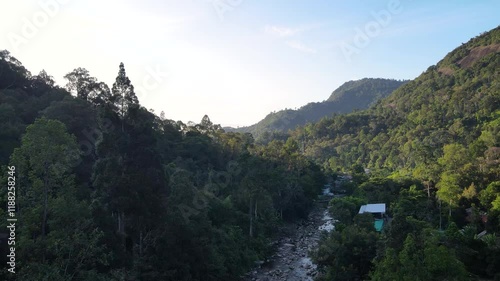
238 60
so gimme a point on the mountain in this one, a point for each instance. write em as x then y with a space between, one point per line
432 149
362 93
106 190
352 95
455 101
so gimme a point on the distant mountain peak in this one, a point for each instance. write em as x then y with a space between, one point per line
368 87
350 96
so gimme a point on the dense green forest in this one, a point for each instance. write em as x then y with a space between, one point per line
432 149
107 190
350 96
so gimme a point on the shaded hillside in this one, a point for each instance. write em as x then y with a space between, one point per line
352 95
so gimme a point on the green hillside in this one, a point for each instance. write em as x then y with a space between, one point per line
364 92
100 188
450 102
352 95
433 152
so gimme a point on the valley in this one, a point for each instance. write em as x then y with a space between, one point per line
109 190
291 259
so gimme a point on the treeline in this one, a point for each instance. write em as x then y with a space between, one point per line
107 190
433 153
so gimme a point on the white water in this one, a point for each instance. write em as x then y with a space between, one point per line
327 192
329 222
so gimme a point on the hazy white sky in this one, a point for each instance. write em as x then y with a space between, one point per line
238 60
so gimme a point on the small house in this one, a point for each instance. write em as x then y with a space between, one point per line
378 212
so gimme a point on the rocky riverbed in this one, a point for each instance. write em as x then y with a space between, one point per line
291 261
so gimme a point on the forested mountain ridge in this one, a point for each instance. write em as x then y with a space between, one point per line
411 126
107 190
364 92
433 152
352 95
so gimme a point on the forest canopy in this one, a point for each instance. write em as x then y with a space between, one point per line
107 190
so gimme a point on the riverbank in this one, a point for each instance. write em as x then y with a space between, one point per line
291 261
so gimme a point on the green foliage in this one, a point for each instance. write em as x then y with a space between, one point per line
154 199
122 93
346 254
87 87
57 239
380 190
344 209
364 221
442 129
490 194
420 122
421 258
449 188
112 192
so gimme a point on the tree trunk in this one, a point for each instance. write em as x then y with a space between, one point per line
45 199
122 112
45 211
255 210
121 229
119 220
449 213
440 217
45 205
140 244
121 223
250 207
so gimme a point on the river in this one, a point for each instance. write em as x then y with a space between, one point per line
291 261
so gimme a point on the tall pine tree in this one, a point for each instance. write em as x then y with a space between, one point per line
123 95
